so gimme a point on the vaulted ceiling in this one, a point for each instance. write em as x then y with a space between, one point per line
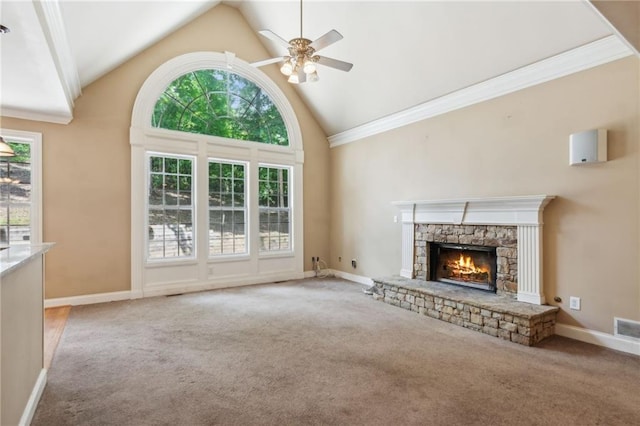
410 58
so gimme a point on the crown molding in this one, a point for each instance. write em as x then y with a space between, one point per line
36 116
596 53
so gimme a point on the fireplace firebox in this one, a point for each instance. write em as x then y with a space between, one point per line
465 265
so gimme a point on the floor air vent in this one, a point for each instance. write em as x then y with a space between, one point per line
626 328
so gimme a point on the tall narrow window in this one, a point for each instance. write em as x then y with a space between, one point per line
15 196
170 207
227 208
274 206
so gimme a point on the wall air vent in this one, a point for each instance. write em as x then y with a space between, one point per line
626 328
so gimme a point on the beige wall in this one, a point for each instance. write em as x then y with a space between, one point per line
514 145
86 164
624 15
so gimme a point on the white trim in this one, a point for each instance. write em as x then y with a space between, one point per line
599 52
598 338
54 31
220 283
353 277
90 299
36 116
34 398
34 139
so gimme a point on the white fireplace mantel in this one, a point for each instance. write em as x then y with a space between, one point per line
525 212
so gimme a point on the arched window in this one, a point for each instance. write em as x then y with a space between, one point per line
220 103
216 180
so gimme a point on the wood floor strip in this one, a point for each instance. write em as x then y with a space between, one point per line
54 321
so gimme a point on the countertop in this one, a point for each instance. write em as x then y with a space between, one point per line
14 256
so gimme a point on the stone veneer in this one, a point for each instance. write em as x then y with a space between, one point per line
504 238
492 314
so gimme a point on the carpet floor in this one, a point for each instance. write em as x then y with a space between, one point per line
316 352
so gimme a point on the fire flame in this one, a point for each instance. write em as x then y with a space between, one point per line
466 266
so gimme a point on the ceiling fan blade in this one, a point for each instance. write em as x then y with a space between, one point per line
267 62
274 37
335 63
326 40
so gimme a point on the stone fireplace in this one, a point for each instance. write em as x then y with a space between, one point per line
476 263
513 225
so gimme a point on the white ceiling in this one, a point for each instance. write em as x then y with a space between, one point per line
404 53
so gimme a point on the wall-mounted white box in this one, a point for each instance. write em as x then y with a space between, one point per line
588 147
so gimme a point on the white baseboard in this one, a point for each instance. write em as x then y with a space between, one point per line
34 399
88 299
598 338
353 277
220 283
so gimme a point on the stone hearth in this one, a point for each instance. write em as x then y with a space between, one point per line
488 313
517 311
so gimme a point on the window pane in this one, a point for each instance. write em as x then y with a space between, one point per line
156 164
15 195
171 165
170 214
226 208
274 208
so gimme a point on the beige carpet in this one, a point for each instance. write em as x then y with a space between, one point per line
319 352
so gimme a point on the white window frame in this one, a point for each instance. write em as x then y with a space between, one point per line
204 272
289 169
247 206
194 207
34 139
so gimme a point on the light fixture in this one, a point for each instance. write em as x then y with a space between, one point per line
286 68
5 149
293 78
313 77
309 66
4 30
302 60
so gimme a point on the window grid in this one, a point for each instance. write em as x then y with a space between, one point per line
274 208
170 207
15 196
227 208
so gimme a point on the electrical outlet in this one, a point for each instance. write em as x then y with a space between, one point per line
353 263
574 303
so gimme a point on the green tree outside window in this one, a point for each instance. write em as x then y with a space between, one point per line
219 103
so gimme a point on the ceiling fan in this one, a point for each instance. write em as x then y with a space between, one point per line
300 64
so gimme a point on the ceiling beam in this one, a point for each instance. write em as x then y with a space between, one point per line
55 33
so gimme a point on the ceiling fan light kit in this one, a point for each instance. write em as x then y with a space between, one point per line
300 64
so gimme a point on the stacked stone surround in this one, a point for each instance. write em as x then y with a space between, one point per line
504 238
495 315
